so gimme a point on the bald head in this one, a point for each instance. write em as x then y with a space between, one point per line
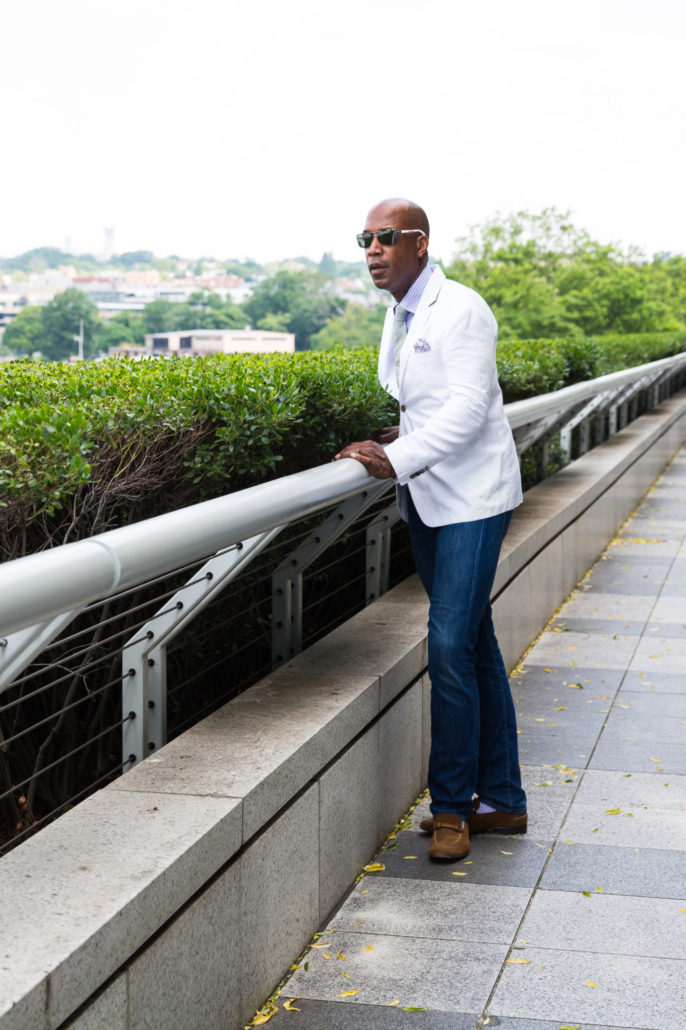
410 214
395 266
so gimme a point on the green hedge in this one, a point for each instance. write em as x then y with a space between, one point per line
87 446
529 367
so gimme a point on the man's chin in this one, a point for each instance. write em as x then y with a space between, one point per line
380 278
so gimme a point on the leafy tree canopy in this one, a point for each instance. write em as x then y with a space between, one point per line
300 298
545 277
356 327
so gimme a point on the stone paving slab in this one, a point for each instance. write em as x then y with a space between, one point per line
605 625
655 682
628 991
571 921
632 827
321 1015
638 872
605 651
416 971
643 756
452 910
494 859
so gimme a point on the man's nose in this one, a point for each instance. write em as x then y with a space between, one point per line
374 247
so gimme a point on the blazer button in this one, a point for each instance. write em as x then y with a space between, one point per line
403 408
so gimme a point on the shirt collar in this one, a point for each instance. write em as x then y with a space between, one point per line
413 296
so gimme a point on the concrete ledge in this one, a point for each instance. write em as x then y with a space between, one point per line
179 895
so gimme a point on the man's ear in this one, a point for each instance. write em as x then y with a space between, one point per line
422 245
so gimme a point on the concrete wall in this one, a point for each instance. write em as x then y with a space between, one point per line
179 895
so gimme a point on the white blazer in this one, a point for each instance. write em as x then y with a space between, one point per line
455 451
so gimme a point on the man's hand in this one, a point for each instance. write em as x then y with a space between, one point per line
372 456
386 435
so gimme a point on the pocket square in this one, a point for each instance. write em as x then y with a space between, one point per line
422 346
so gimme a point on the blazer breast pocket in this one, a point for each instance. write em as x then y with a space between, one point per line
422 346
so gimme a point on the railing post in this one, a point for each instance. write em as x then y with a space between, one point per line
542 456
144 657
287 588
378 552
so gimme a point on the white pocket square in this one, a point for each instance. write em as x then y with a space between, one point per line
421 346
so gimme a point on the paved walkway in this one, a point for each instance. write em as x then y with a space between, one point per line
582 922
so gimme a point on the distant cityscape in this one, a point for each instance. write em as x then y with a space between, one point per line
130 281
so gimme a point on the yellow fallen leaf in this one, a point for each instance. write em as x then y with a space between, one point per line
591 984
295 967
364 892
346 994
655 759
538 720
560 708
289 1006
506 852
263 1017
459 874
396 1001
374 867
683 910
347 975
370 947
519 961
342 956
409 856
326 954
568 1026
575 686
612 811
548 670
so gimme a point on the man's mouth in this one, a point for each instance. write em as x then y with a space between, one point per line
376 266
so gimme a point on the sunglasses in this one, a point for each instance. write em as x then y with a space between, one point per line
386 237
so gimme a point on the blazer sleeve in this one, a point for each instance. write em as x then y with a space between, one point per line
452 412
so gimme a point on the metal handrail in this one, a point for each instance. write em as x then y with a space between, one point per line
39 587
532 409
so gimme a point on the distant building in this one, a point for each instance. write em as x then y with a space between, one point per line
200 342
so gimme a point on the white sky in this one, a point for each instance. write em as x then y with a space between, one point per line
267 128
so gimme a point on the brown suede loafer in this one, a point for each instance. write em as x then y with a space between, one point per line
504 822
450 839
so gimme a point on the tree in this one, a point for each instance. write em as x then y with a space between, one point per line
356 327
160 316
302 298
125 327
544 277
61 320
24 334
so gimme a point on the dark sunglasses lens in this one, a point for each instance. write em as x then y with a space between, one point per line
387 237
364 239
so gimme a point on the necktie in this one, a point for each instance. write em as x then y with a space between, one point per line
399 336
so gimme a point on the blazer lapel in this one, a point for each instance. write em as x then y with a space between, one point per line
387 357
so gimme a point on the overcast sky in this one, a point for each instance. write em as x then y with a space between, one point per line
267 128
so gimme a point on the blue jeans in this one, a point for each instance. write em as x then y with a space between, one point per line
473 724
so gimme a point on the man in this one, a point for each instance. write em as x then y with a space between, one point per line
454 460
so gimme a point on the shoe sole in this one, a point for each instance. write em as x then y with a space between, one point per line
509 830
